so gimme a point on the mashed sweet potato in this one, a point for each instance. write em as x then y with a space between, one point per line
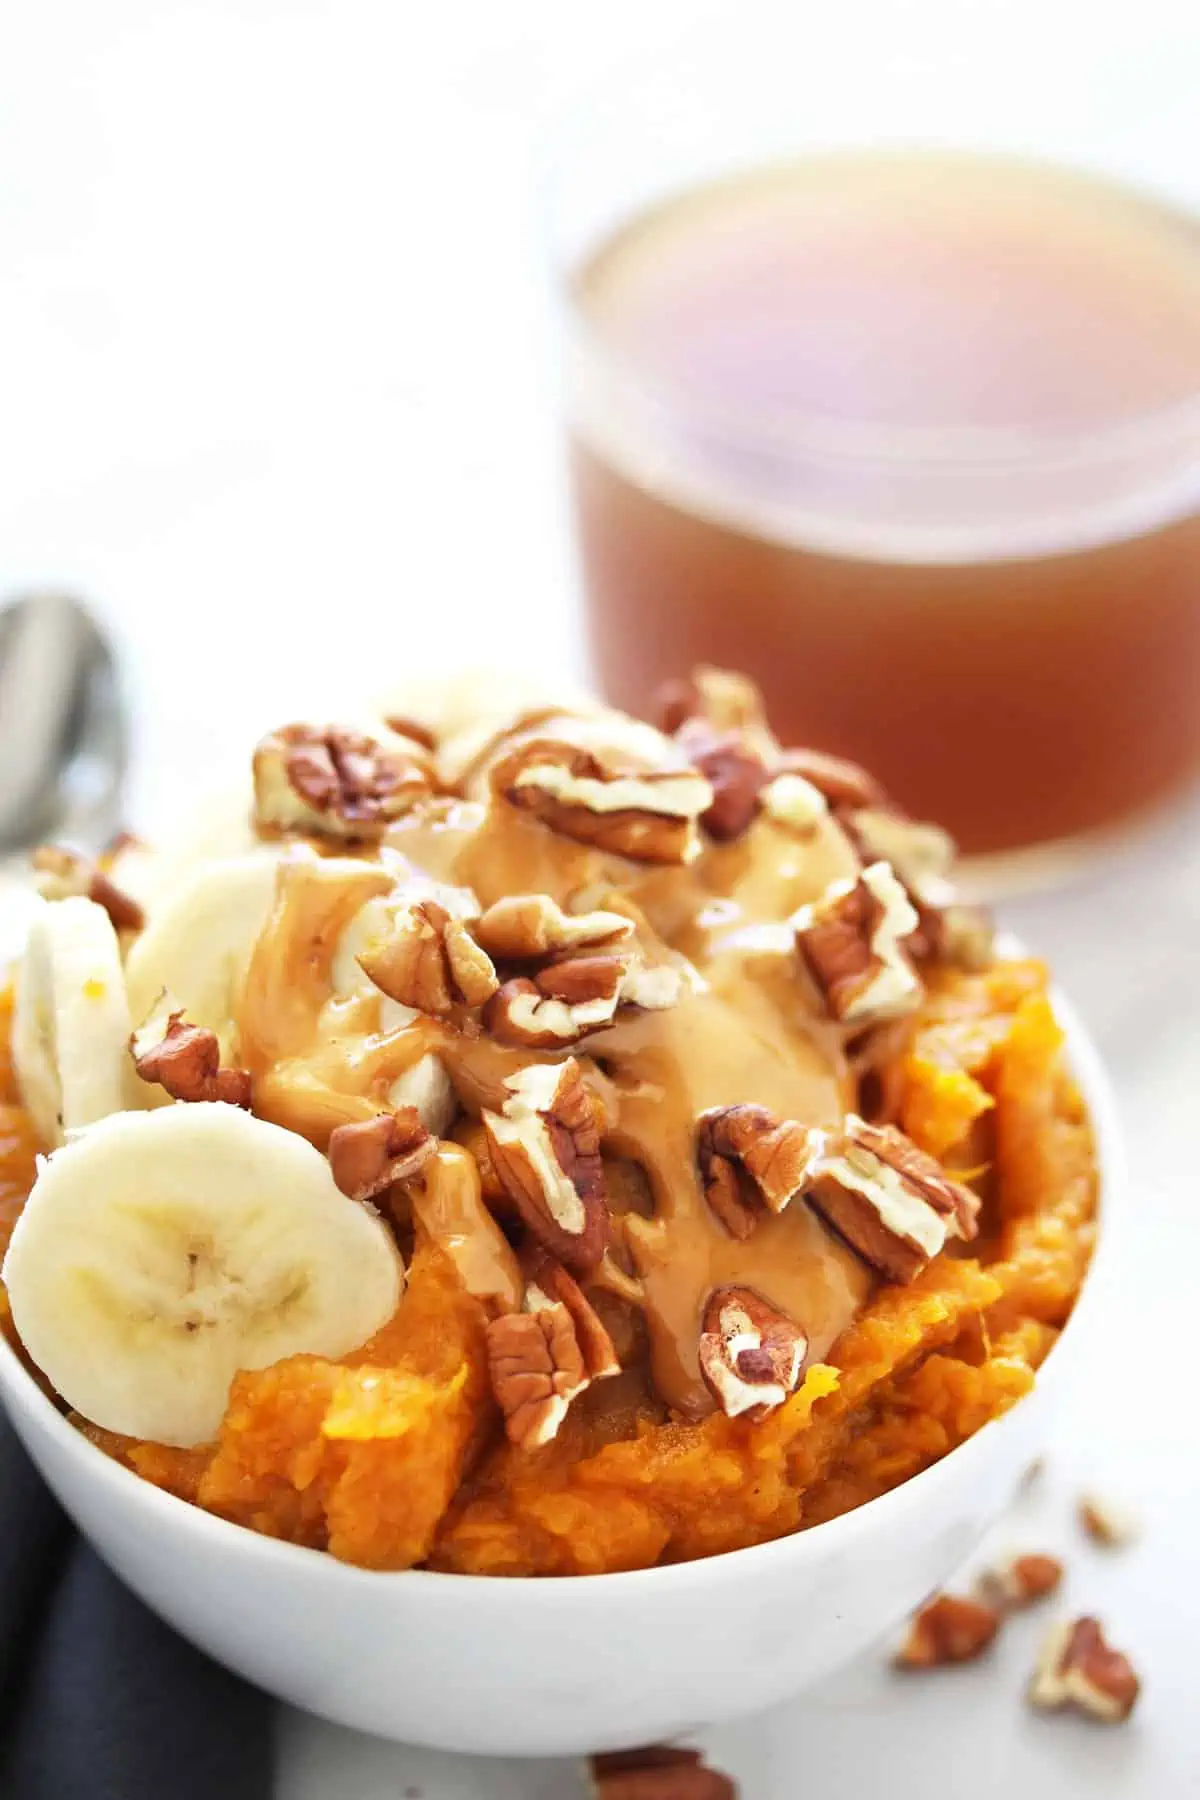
395 1456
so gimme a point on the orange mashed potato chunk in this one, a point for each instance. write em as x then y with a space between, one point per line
395 1455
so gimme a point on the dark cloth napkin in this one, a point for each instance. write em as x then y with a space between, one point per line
99 1700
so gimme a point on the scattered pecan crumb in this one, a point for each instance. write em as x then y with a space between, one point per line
369 1155
952 1628
1021 1581
750 1354
1112 1526
659 1772
1076 1667
749 1159
185 1060
62 874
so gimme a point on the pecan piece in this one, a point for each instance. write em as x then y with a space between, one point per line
750 1354
335 781
545 1148
548 1284
186 1059
951 1629
637 797
544 1357
735 772
851 941
922 856
1020 1581
1076 1667
891 1202
61 874
536 1370
568 1000
843 783
368 1155
430 961
530 927
659 1772
1106 1524
750 1158
725 700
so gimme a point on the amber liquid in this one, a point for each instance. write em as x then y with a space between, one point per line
1020 659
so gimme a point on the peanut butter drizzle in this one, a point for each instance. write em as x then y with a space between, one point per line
447 1203
747 1036
318 1060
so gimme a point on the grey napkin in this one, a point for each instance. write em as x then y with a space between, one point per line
99 1700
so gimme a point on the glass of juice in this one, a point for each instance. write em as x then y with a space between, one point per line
883 378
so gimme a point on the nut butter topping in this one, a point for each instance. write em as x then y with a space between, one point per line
575 912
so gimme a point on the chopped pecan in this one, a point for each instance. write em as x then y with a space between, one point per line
369 1155
735 772
893 1204
951 1629
851 941
749 1159
1107 1524
607 782
726 701
335 781
658 1772
567 1001
61 874
844 784
529 927
547 1284
1020 1581
750 1354
430 961
536 1370
546 1151
1076 1667
922 856
544 1357
186 1059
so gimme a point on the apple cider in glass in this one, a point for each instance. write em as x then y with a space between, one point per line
914 437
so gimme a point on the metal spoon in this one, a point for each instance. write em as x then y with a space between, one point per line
63 732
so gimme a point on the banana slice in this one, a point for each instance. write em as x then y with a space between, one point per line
71 1020
161 1252
198 945
427 1086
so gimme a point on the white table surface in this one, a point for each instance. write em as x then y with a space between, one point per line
275 393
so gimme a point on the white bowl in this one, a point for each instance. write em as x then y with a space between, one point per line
549 1667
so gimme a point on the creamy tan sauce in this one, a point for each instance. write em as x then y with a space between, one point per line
745 1031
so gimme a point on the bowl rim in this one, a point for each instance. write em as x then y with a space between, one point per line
20 1392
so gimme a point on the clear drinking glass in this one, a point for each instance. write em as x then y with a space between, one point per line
883 382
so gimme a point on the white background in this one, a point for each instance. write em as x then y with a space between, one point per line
275 393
